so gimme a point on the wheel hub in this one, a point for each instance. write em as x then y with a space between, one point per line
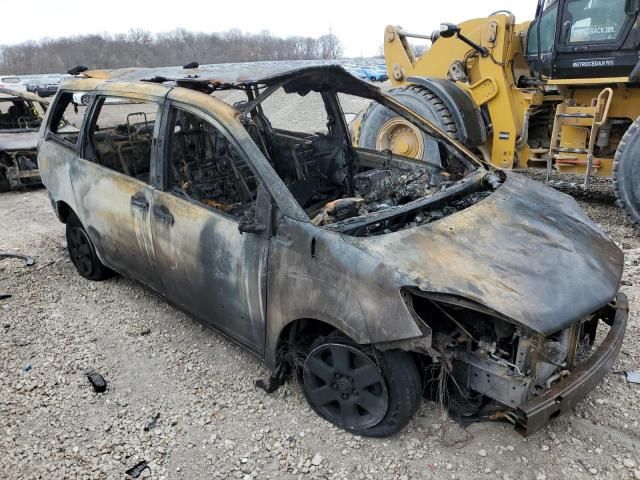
401 138
80 251
345 386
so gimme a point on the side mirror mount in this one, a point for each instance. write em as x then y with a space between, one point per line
249 225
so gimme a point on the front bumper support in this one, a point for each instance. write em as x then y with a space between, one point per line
568 392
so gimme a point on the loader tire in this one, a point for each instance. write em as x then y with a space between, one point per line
381 128
5 186
626 172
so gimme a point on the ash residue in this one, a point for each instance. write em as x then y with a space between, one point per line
467 201
396 189
381 189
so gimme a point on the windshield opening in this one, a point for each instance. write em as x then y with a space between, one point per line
309 134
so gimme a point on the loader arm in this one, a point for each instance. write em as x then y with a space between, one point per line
490 80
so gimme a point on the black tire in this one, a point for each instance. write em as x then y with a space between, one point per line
5 186
83 253
424 103
400 382
626 172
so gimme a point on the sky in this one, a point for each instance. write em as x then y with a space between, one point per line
358 24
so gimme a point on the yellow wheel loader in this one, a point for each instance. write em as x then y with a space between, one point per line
561 92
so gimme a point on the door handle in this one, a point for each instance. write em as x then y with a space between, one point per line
139 200
163 215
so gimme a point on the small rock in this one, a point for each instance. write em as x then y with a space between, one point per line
627 462
593 471
482 453
545 448
316 460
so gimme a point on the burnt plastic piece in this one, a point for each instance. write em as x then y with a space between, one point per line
97 381
152 423
368 181
272 386
4 295
27 259
138 468
191 65
275 380
77 70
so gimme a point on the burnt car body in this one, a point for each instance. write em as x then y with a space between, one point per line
20 119
352 268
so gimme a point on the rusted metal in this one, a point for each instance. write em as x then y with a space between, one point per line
568 392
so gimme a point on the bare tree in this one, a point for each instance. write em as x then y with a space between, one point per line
330 46
139 47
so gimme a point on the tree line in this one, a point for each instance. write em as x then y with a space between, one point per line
140 48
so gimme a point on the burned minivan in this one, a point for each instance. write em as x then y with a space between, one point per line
373 278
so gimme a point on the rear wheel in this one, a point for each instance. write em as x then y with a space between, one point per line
82 252
382 129
360 389
626 172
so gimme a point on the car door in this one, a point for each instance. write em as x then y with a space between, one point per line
207 266
113 183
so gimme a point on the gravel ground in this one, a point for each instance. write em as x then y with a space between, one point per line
211 421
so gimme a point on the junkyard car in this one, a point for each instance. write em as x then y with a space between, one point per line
12 83
368 275
44 86
20 118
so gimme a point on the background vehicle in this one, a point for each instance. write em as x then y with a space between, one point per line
561 92
375 74
357 72
12 83
44 86
20 118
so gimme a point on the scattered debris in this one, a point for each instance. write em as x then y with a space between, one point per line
153 421
97 381
275 381
27 368
138 468
4 295
51 262
28 261
633 377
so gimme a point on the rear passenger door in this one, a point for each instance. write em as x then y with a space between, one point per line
113 183
207 266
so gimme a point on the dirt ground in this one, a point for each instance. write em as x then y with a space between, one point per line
212 422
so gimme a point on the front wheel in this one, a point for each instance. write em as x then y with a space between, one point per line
360 389
82 252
